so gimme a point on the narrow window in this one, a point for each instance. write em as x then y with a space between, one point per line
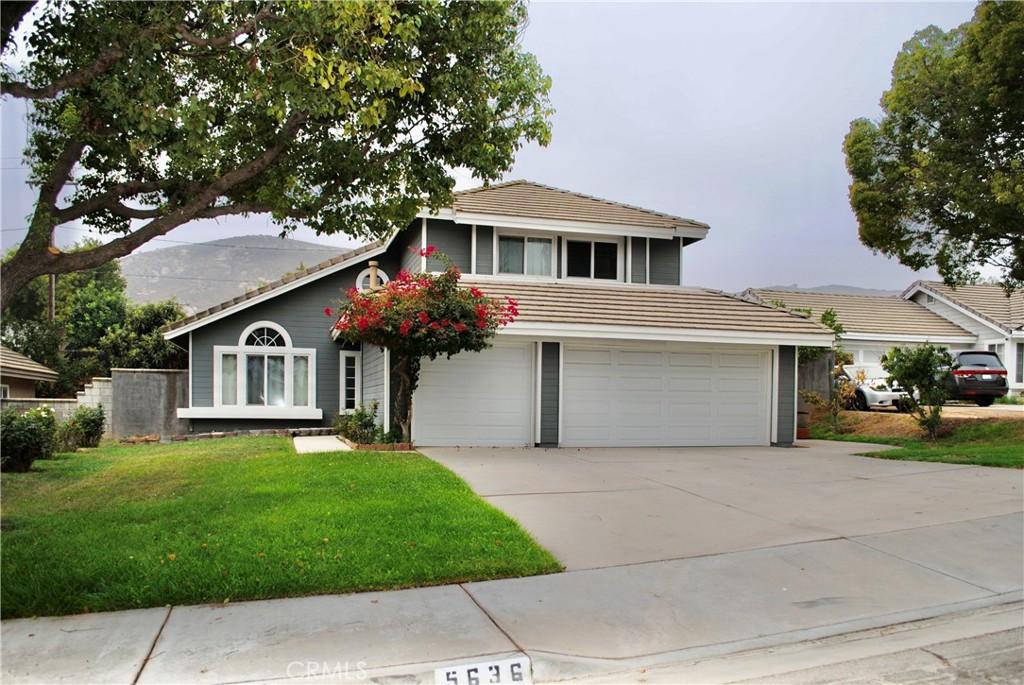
511 255
1020 363
538 256
300 381
577 259
606 261
275 380
254 379
351 379
5 391
229 379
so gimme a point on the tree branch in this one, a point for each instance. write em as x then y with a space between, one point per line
107 199
227 38
75 79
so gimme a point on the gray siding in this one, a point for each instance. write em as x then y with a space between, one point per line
484 250
665 262
787 395
407 246
373 379
549 380
455 240
638 257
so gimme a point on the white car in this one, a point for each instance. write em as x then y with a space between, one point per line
873 388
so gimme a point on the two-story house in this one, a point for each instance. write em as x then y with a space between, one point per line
610 347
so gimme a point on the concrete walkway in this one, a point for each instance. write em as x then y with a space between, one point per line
311 444
920 549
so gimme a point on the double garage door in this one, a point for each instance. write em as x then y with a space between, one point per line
635 395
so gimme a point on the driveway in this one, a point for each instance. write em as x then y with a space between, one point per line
597 508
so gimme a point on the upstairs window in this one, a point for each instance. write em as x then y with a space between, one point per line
592 259
525 255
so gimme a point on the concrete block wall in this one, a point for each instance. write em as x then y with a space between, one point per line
62 408
99 392
146 401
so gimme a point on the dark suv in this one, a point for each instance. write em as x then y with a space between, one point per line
977 376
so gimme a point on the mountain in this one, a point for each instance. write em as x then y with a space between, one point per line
200 275
836 289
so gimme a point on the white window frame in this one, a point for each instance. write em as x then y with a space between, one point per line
5 391
619 257
365 273
525 235
241 351
358 357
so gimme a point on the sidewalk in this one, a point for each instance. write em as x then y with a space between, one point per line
577 624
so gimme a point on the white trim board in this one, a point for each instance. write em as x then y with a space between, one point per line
506 221
649 333
883 338
999 328
250 413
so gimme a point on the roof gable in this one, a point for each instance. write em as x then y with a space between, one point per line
986 301
18 365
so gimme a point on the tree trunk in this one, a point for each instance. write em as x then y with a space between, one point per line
408 370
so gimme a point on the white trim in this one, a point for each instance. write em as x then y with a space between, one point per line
885 337
629 259
279 290
423 245
358 357
387 390
5 391
561 388
190 367
507 221
538 357
382 277
648 333
774 391
245 412
796 389
647 264
680 261
472 250
264 324
241 352
526 239
960 308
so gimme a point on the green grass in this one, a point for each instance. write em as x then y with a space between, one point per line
1010 399
981 443
122 527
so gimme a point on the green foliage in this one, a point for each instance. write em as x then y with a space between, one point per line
921 371
137 343
125 527
939 180
344 116
89 313
25 436
83 429
361 425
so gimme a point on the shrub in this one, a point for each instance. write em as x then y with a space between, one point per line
361 425
25 437
65 439
87 423
921 371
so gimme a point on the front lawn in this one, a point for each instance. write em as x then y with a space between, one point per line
122 527
981 442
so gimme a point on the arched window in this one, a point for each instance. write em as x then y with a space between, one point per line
264 371
363 279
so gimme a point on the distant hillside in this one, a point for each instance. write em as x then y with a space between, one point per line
835 289
204 274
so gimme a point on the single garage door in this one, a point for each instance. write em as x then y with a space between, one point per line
476 398
665 397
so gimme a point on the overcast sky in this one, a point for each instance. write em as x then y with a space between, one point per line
733 114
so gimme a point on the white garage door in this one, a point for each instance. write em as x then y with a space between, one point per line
476 398
665 397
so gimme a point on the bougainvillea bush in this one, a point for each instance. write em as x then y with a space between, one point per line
423 315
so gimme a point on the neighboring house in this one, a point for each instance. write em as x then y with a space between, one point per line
872 324
609 349
996 320
19 375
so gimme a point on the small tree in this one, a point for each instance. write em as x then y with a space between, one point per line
427 315
920 371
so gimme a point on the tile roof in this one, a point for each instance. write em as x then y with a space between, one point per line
987 301
866 313
19 366
653 306
537 201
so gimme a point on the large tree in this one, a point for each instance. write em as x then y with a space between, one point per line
344 116
939 179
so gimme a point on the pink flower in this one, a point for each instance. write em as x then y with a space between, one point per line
363 323
476 292
428 251
460 327
327 311
424 319
404 328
